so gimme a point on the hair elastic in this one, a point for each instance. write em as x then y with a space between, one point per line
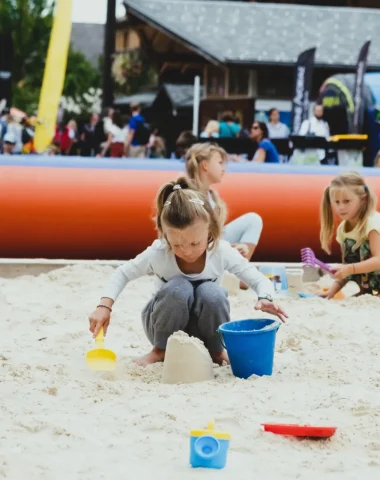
366 188
177 187
192 200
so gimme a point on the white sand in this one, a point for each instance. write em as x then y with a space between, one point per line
61 421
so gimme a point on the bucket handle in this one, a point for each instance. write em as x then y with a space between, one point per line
221 339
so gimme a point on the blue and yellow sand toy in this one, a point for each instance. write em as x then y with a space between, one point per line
208 448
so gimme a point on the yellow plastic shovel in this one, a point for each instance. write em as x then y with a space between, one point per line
100 358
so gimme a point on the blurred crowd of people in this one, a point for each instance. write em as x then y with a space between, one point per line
116 136
264 132
16 134
112 135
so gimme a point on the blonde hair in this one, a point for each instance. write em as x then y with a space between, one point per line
197 154
178 205
212 127
356 184
72 124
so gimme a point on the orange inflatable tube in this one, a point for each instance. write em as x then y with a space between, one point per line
57 210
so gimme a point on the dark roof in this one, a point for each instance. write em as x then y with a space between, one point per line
145 99
88 38
181 95
241 32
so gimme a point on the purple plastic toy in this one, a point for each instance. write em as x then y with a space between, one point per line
309 259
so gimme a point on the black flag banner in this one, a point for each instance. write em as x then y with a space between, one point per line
302 86
361 68
6 54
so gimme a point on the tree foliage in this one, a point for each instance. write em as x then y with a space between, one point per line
132 71
30 23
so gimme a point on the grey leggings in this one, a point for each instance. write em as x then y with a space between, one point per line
244 229
197 308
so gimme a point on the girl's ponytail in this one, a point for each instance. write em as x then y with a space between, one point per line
327 221
163 196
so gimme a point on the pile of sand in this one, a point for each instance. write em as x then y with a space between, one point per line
186 361
62 421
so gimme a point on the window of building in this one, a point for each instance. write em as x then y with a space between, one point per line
238 81
242 82
275 82
216 81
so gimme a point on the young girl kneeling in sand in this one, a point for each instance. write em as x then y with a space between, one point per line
354 202
188 261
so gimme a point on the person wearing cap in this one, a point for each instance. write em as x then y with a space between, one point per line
15 128
9 143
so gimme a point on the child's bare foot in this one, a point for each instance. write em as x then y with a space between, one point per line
220 357
155 356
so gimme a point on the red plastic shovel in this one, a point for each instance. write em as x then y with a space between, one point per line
299 430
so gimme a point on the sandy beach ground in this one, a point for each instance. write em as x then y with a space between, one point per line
61 421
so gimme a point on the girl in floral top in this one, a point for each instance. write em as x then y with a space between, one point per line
354 202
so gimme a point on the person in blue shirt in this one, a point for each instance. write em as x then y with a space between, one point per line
138 135
227 127
266 151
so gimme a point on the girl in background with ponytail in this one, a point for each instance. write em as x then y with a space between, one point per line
351 199
205 165
188 261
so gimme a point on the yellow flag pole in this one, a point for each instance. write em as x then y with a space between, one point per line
54 75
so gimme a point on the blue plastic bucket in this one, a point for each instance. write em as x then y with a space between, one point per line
250 346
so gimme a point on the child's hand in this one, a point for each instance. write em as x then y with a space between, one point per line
242 248
269 307
324 295
343 271
99 318
234 158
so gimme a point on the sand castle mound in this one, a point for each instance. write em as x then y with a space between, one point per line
186 360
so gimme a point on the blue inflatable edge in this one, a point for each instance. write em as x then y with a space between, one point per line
172 165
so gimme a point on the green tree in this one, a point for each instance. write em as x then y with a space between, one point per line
30 23
132 71
80 75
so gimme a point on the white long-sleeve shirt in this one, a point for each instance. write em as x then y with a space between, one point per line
160 261
278 130
319 128
316 126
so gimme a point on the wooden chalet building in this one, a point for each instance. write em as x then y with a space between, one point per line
246 51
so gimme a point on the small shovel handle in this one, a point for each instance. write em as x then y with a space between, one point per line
99 340
324 266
